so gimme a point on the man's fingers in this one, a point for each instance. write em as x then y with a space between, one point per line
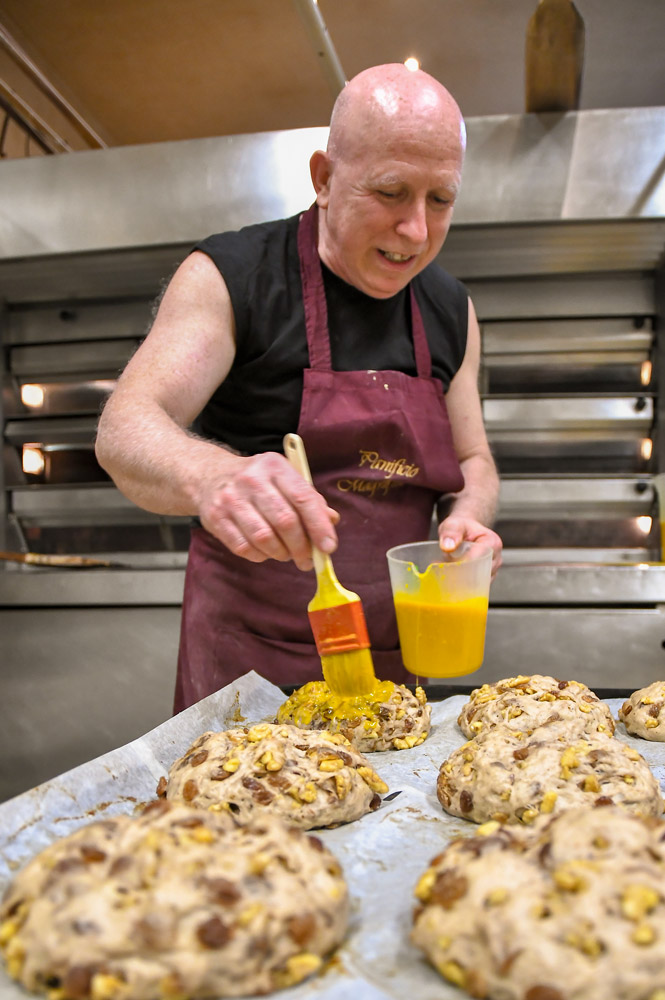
268 511
315 519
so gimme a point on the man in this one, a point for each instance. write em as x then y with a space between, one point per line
335 324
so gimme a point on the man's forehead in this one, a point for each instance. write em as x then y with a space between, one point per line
443 175
445 179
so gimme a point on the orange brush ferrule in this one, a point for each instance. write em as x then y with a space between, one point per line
340 629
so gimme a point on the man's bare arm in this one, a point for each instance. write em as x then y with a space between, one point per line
473 509
258 506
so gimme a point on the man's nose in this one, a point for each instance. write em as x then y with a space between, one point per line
413 223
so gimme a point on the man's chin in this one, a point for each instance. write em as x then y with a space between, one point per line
384 286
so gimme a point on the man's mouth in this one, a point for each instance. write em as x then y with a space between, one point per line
396 258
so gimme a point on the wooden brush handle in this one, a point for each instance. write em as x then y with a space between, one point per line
294 449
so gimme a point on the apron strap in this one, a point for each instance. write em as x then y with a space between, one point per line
420 345
316 309
313 292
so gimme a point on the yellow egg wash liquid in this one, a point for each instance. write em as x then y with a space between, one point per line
440 637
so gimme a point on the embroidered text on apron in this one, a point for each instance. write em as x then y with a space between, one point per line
380 450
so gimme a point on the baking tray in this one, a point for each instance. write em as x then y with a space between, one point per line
383 854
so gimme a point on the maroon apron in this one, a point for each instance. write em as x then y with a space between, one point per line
381 452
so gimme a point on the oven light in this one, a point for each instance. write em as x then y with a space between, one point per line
33 460
646 447
32 395
412 64
645 372
644 524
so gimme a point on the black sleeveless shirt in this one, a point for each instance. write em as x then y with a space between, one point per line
259 401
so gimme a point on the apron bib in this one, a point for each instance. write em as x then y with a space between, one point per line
380 450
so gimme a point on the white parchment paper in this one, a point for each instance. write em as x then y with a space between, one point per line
383 854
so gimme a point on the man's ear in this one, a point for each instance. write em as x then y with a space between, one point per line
320 170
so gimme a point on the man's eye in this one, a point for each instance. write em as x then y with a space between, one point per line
387 194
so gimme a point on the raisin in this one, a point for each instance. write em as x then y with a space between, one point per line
278 780
448 888
544 993
221 890
466 801
162 785
213 933
603 800
190 790
219 775
316 842
156 807
198 758
521 754
90 854
76 981
259 792
300 929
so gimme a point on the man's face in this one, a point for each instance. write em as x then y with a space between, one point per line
386 216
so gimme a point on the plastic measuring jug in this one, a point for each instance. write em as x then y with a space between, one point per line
441 606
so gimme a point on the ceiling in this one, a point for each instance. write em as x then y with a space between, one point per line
143 71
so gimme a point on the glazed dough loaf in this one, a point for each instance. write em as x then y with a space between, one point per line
643 714
390 718
524 703
310 779
572 908
176 903
507 776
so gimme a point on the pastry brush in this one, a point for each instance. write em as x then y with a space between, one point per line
336 614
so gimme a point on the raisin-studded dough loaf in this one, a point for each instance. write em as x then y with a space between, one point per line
310 779
572 908
178 902
510 777
643 714
524 703
389 718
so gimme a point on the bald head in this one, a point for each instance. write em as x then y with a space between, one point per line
383 102
387 183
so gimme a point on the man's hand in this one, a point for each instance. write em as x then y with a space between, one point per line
455 529
261 508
